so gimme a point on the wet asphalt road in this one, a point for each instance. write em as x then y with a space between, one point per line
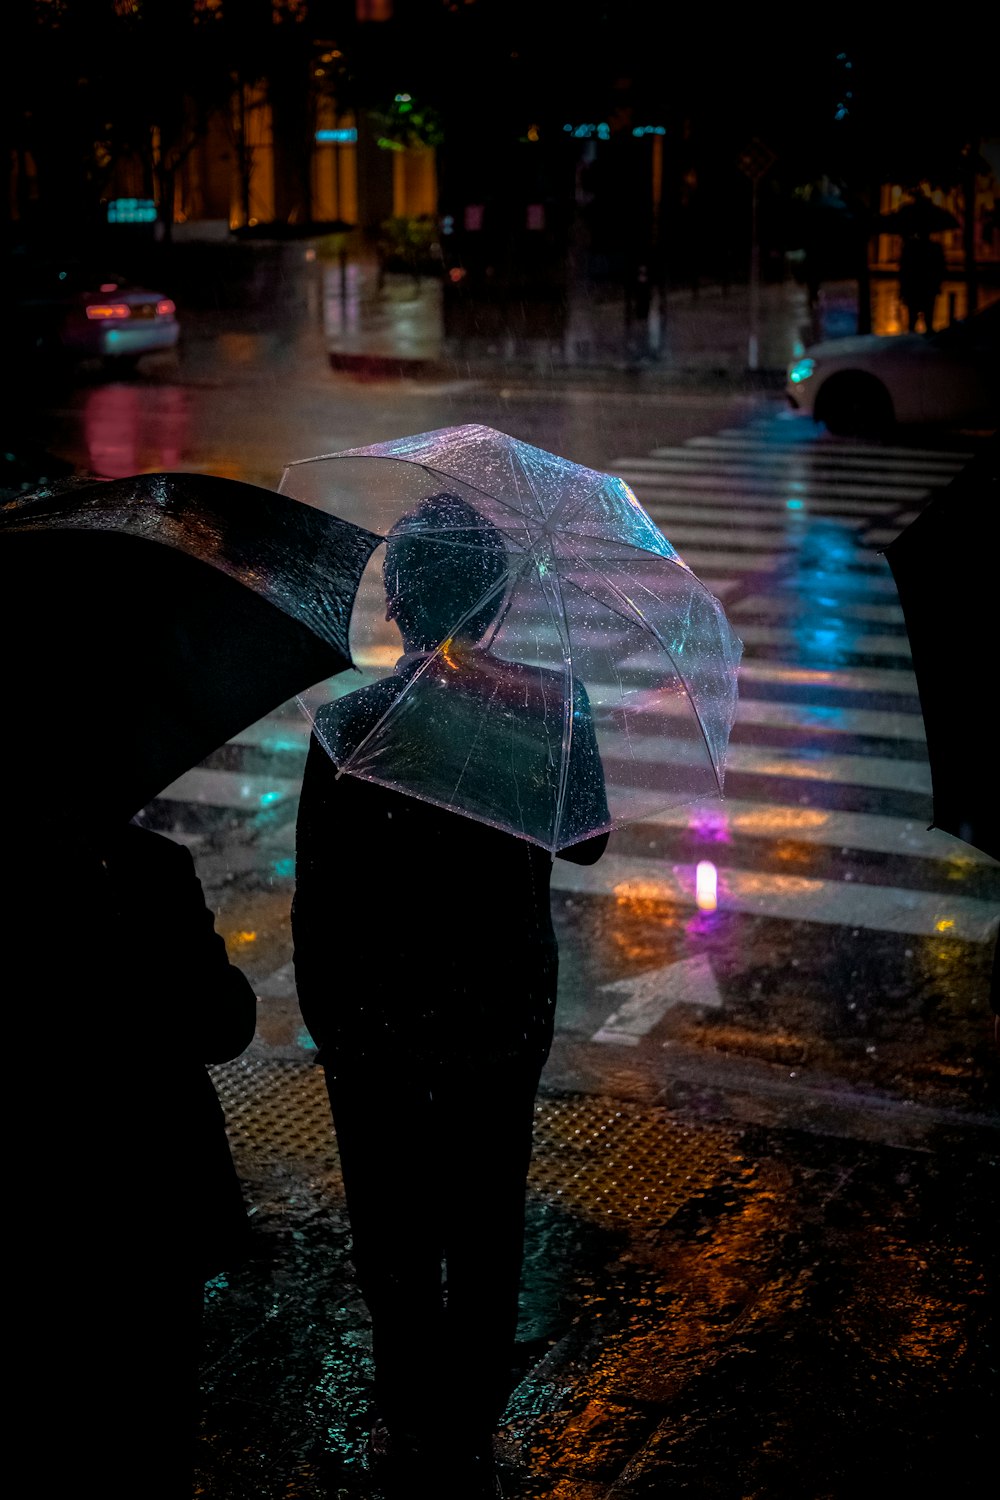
763 1206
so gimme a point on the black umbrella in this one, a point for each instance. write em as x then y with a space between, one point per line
148 620
918 216
945 567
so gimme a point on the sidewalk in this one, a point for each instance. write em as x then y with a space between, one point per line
699 337
401 327
710 1310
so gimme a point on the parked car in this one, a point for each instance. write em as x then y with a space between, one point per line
866 384
61 313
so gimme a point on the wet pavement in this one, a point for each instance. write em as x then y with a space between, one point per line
709 1309
760 1253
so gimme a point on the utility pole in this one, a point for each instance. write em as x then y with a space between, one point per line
658 268
754 161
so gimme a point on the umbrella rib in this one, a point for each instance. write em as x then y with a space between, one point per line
671 555
539 509
472 746
513 582
558 619
651 628
431 470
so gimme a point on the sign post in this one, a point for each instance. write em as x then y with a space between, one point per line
754 161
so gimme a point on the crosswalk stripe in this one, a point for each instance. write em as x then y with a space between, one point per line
720 510
764 508
683 533
817 630
873 833
700 560
849 554
833 451
807 717
881 772
851 721
806 489
852 904
773 438
233 789
852 679
938 471
767 606
792 535
678 462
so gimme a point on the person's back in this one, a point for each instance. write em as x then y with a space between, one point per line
445 914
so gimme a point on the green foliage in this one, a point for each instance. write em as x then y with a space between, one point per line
404 123
409 242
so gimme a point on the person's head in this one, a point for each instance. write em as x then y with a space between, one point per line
441 559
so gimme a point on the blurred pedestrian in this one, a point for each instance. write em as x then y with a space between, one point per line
638 305
921 275
433 1020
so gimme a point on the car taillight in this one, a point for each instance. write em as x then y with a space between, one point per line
164 307
104 310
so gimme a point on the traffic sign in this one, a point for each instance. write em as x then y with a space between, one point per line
755 159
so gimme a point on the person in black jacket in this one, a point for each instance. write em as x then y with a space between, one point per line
426 968
128 1197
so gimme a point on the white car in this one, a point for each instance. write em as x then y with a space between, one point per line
866 384
60 313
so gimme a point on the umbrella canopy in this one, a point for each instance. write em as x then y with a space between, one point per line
918 216
944 566
543 659
148 620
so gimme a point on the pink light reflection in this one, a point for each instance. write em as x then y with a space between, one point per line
129 429
710 825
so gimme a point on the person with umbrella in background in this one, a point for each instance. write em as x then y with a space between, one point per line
921 276
922 262
433 1033
146 621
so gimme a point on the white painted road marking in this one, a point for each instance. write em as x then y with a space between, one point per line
652 993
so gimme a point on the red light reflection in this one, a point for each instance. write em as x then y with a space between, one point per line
131 429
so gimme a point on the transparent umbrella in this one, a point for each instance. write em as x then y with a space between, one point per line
540 657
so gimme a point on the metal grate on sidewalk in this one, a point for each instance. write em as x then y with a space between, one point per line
619 1164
